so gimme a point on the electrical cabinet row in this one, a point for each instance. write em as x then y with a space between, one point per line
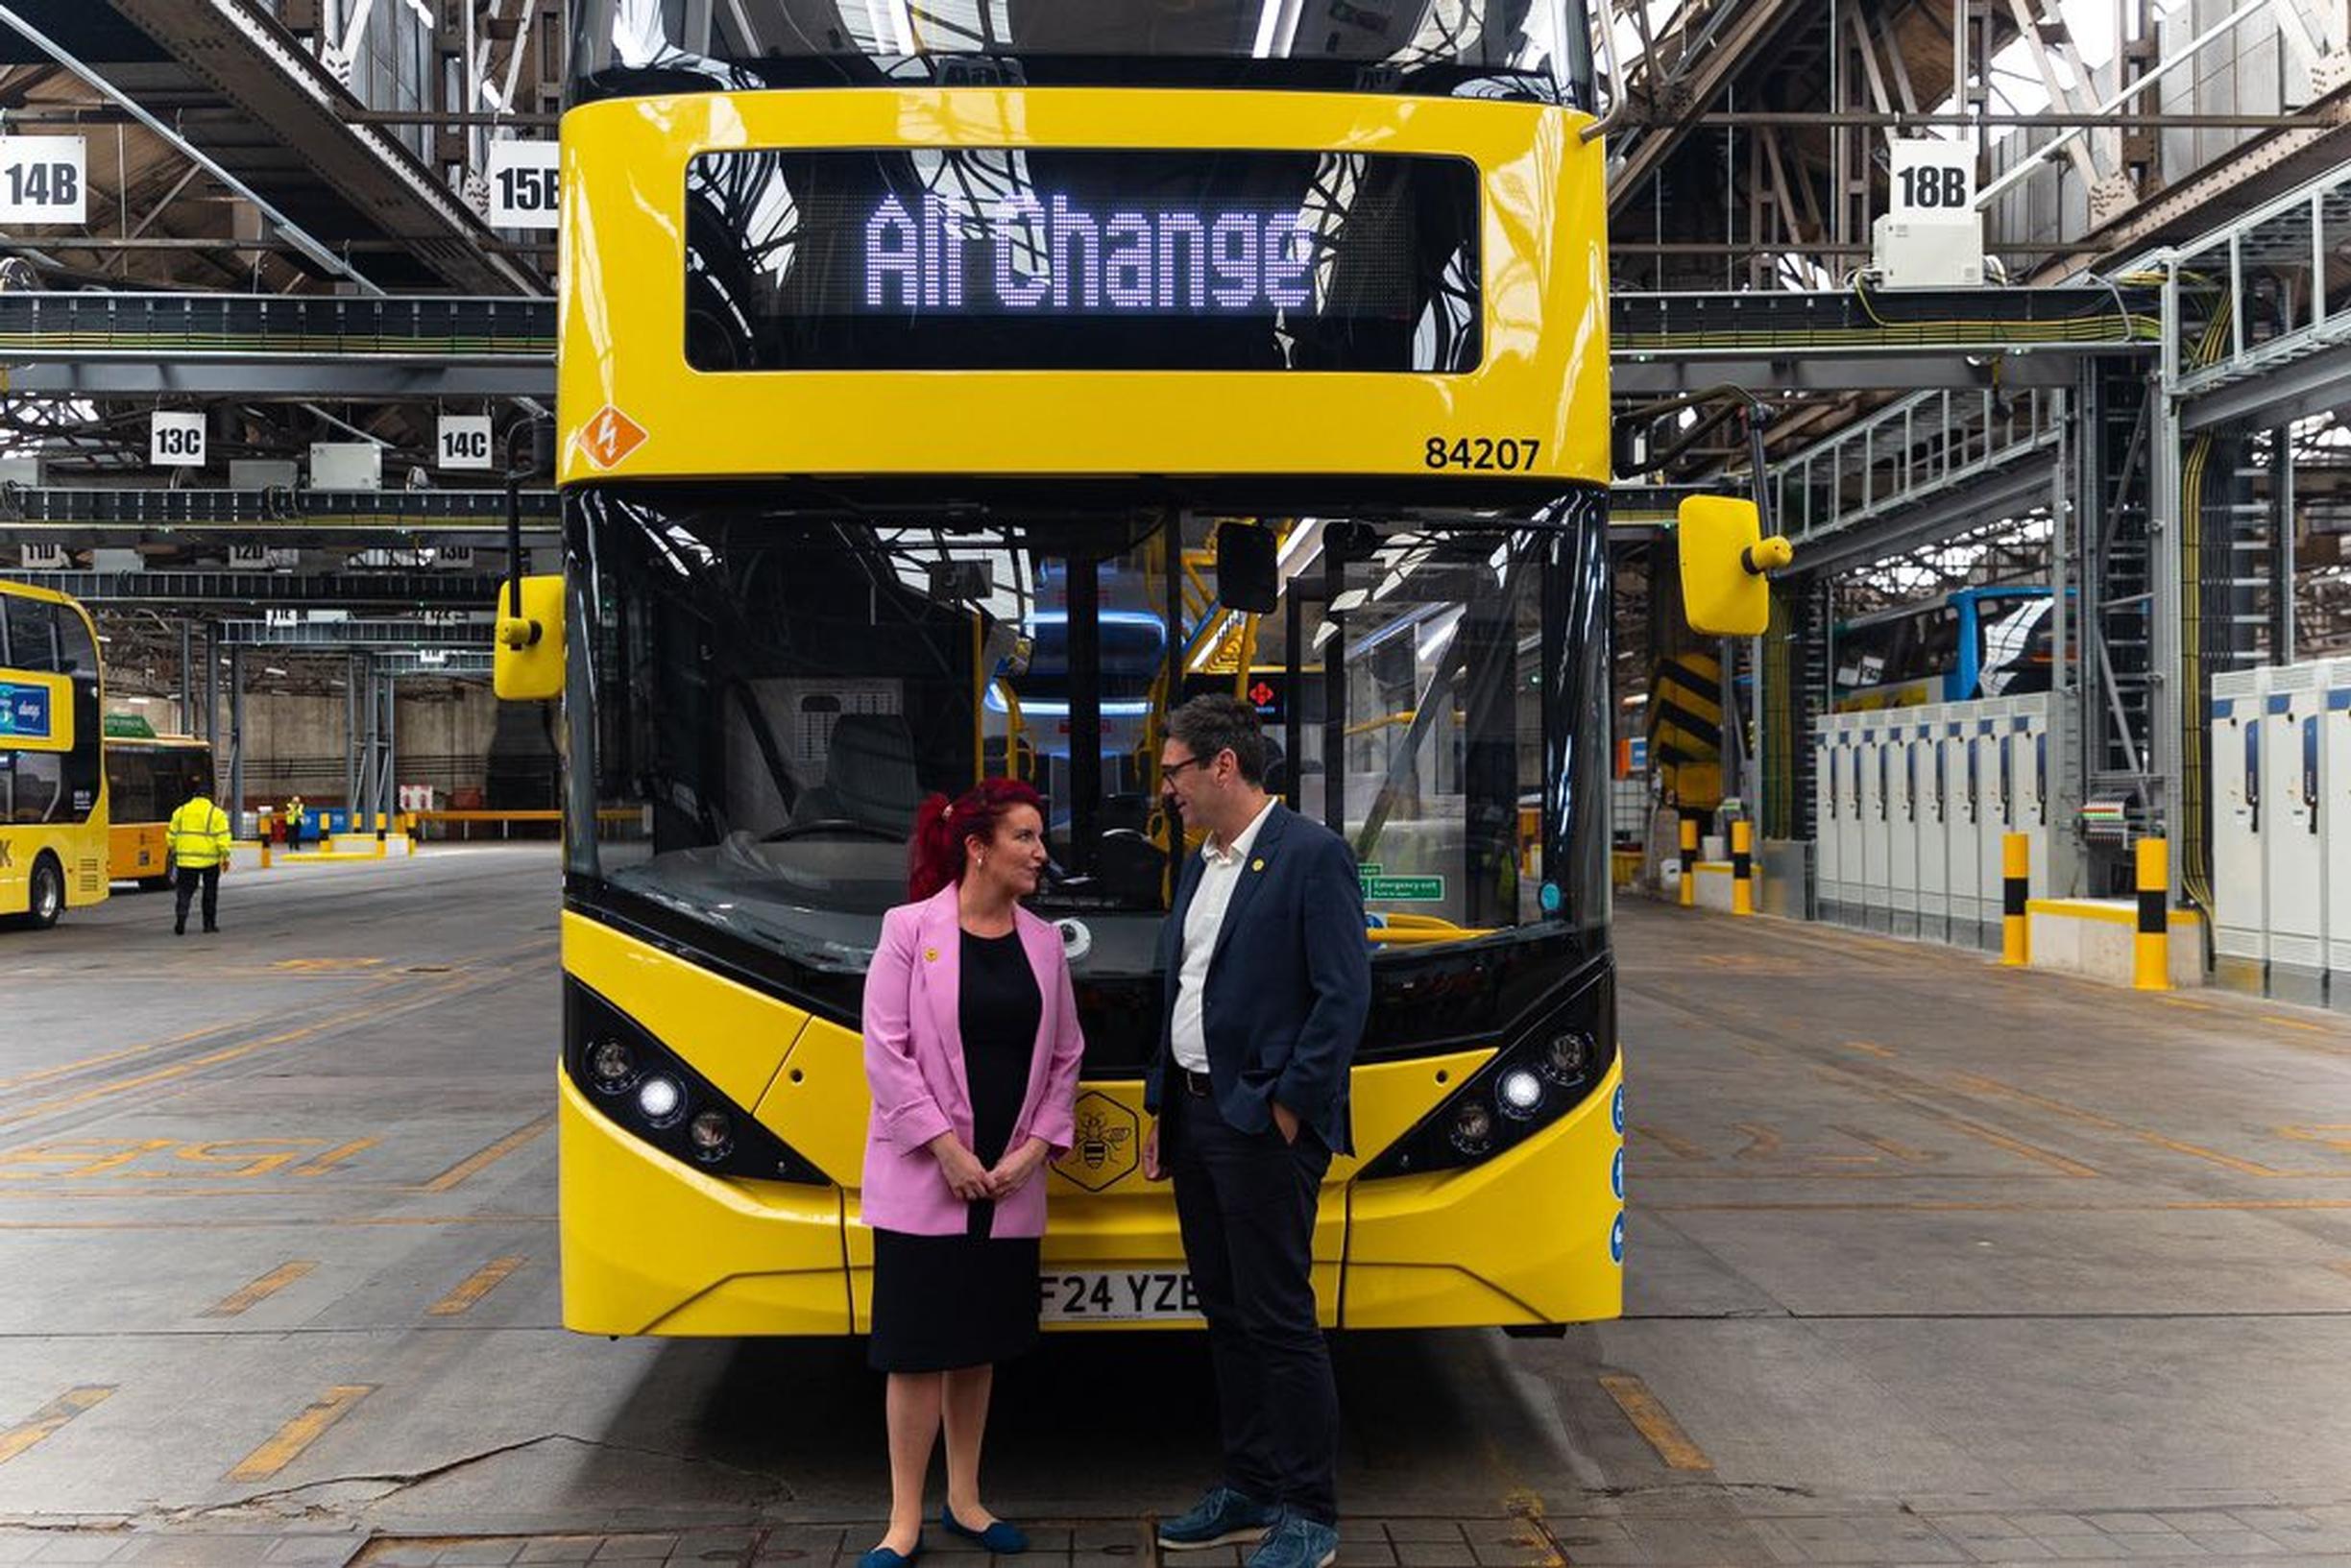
2281 816
1911 807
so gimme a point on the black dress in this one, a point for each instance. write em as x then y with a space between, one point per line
971 1300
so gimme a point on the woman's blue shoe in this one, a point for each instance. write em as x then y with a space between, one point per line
1003 1539
881 1556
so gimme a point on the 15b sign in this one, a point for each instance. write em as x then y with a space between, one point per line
1933 178
175 440
525 187
465 441
42 180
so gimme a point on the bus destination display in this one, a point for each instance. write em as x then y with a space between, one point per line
1055 258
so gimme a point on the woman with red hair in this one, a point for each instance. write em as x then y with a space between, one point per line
972 1048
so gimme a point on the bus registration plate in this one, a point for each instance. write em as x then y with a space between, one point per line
1118 1296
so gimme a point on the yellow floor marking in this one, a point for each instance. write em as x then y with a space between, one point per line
1867 1045
1655 1422
178 1070
474 1163
478 1284
2174 1000
1998 1139
1680 1147
261 1290
51 1416
2283 1022
336 1156
1763 1143
1901 1151
286 1444
103 1057
1993 1086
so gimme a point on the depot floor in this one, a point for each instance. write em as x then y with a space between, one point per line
1928 1263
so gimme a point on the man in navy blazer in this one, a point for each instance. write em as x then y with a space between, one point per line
1268 976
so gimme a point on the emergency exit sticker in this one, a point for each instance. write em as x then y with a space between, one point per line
42 180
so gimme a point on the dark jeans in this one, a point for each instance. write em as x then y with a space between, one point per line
1246 1202
188 878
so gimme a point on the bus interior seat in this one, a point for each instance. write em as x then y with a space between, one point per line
870 775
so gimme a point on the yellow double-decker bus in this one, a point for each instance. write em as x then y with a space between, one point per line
948 389
53 800
148 776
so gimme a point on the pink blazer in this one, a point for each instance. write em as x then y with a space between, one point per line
914 1067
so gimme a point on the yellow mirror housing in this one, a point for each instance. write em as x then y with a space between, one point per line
1725 559
528 665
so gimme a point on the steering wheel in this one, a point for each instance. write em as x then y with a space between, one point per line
831 825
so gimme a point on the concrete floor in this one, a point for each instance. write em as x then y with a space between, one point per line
1927 1263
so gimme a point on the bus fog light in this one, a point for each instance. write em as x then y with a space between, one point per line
1472 1127
660 1100
712 1134
613 1065
1519 1094
1566 1057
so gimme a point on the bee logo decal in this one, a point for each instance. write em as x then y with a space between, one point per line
1105 1143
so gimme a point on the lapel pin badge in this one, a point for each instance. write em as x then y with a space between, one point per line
930 956
1257 864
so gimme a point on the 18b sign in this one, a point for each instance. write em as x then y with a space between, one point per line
175 440
1933 178
41 180
465 441
525 187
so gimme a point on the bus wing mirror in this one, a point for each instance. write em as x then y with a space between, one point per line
528 665
1725 559
1248 570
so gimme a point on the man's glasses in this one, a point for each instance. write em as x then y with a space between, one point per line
1169 770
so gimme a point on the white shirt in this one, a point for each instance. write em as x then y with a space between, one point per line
1219 875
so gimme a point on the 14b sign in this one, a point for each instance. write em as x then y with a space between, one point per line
42 180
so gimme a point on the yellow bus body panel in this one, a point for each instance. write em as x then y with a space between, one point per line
1522 1239
622 326
651 1247
135 850
81 847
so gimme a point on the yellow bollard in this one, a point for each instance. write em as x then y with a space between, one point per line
1742 868
411 824
2152 958
2016 883
1689 863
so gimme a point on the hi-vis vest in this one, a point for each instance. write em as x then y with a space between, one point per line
199 834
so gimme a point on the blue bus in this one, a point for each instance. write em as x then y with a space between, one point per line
1968 643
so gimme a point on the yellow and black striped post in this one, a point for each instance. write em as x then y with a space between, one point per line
2152 966
1689 863
1742 868
2016 883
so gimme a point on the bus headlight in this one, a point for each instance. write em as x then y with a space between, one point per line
1472 1127
1555 1060
614 1067
660 1100
1519 1094
1566 1057
712 1135
656 1097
